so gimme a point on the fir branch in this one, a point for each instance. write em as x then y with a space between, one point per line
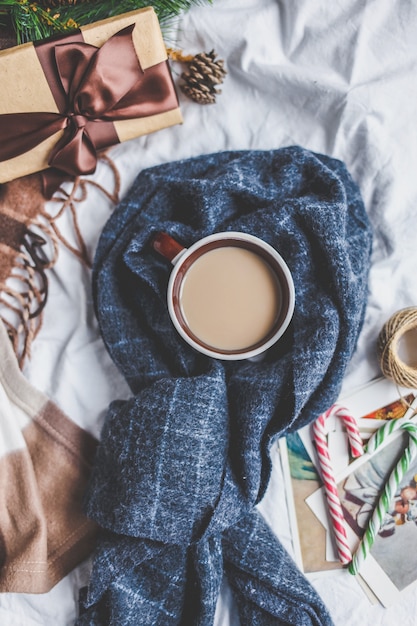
32 22
86 12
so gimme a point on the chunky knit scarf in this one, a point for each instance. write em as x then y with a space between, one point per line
183 463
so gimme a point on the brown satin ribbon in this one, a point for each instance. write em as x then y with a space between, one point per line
92 87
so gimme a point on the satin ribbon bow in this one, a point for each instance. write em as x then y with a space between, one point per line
100 85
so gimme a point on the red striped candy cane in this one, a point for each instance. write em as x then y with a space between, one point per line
320 438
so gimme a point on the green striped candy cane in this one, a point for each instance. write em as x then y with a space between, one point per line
390 486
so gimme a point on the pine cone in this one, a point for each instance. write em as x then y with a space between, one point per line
204 74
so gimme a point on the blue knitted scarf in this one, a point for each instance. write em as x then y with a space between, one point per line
183 463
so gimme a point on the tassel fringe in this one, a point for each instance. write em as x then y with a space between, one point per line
23 295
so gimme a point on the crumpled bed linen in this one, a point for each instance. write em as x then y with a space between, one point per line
182 464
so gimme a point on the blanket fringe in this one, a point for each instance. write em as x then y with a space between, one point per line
24 293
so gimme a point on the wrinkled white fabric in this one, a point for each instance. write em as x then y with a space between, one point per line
334 77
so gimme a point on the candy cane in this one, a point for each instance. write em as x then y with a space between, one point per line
389 490
382 433
330 487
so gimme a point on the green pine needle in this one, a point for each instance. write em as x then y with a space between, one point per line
32 22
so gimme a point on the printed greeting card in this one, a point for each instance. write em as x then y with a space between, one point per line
359 483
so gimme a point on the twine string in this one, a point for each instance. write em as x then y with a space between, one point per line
392 366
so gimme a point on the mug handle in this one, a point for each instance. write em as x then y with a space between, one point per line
167 246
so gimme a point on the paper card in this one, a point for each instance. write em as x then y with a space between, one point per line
309 535
338 450
311 528
385 570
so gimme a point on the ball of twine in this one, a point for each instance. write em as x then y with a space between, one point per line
392 366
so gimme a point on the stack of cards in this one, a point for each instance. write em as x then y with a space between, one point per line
391 566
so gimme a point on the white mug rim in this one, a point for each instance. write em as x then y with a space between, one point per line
252 353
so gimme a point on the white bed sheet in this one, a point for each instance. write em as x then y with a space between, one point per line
335 77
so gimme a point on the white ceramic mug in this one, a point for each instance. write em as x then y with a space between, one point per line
230 295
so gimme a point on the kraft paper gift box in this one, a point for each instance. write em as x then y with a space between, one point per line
65 99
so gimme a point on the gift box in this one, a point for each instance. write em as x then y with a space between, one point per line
64 99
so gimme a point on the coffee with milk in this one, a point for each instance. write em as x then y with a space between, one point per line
230 298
